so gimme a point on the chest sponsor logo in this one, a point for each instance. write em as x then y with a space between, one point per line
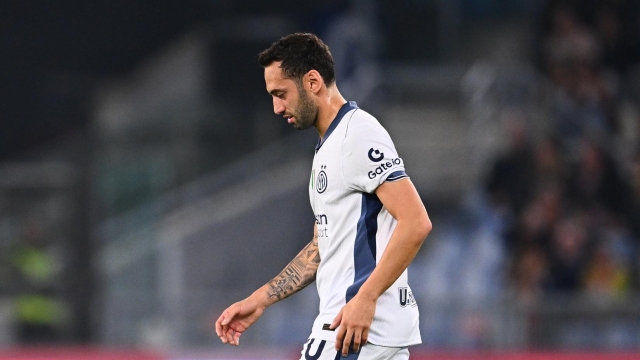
321 219
322 225
375 155
384 167
321 180
406 297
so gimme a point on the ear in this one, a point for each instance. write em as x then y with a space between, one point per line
313 81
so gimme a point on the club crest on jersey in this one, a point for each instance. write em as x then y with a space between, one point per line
321 180
406 297
375 155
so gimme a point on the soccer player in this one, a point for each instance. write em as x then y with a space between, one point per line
370 221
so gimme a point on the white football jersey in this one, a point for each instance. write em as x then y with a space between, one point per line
355 156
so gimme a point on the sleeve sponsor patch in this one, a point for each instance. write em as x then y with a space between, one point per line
369 159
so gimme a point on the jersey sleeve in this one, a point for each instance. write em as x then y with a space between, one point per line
369 158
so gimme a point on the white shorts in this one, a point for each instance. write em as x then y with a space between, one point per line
315 349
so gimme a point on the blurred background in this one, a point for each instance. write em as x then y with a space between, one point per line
145 183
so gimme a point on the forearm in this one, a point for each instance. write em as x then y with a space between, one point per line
299 273
403 246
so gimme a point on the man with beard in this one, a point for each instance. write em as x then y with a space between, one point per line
370 221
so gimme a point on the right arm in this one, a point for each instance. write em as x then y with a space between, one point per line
300 272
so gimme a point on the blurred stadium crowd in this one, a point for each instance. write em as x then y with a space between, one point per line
568 201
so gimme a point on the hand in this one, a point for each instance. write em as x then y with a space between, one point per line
236 319
354 320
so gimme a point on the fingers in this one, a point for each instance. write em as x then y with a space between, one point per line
346 343
341 332
228 315
357 340
222 326
219 325
340 337
229 337
220 329
336 322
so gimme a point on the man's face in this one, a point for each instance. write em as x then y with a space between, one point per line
290 99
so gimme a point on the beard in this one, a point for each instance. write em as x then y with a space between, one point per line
307 112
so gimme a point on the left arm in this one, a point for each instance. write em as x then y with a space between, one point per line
402 201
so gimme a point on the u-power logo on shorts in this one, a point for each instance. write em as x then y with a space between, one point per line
321 181
378 155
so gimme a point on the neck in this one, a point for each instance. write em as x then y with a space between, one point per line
328 108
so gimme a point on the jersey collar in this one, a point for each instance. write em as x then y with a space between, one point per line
351 105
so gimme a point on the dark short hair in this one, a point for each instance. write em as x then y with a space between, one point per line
300 53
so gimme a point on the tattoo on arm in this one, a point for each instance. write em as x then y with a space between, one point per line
300 272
